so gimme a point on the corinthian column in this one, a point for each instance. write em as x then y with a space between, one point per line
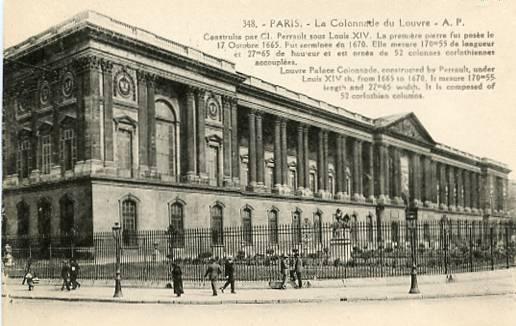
252 151
190 141
300 161
284 157
201 143
277 155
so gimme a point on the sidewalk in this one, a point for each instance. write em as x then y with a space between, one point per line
472 284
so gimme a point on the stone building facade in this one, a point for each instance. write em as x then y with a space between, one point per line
105 122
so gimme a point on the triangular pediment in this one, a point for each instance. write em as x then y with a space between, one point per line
404 126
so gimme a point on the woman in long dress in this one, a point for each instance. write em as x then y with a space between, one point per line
177 279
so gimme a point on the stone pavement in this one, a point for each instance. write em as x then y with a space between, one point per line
431 287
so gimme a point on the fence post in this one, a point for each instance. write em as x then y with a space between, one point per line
445 244
507 246
470 249
491 246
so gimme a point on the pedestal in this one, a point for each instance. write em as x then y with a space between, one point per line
340 248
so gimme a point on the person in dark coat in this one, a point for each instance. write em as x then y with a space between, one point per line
74 273
65 275
284 271
229 273
212 272
28 268
298 267
177 279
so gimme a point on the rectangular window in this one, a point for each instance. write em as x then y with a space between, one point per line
68 149
24 158
125 152
212 163
269 177
331 185
292 179
243 175
46 154
313 183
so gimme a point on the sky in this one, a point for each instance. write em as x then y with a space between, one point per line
482 124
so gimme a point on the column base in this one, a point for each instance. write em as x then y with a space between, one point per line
428 204
467 209
304 192
34 176
190 177
371 199
358 198
286 189
452 208
236 182
342 196
416 203
383 200
474 210
398 201
228 182
323 194
460 209
277 189
443 207
256 187
203 178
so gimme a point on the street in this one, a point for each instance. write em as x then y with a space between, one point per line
496 310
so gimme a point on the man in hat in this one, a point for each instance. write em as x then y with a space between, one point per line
229 273
65 275
74 273
284 271
298 267
212 272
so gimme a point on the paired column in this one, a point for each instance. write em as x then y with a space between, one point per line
357 171
201 142
191 163
252 151
370 173
460 193
300 160
235 146
383 173
107 87
467 191
415 179
277 156
284 157
443 187
322 164
339 167
260 161
228 181
306 160
428 182
397 176
451 189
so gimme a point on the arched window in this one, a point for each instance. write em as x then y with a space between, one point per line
66 215
166 139
318 227
217 231
44 218
296 226
24 158
247 225
129 222
426 232
68 149
395 232
369 226
176 226
45 145
273 226
23 218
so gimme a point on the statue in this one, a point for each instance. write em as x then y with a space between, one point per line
341 222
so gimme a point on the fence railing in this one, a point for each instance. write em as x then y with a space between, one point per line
328 250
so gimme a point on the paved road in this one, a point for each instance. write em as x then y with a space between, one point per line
491 310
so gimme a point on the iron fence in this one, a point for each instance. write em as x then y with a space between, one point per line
328 251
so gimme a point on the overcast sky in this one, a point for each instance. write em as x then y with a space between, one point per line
483 124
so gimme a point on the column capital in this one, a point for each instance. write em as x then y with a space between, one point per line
106 65
88 62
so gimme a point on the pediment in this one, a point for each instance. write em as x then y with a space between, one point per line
125 119
405 126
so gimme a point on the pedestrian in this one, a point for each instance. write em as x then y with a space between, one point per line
28 266
74 273
291 269
229 273
177 279
29 275
284 271
212 272
65 275
298 265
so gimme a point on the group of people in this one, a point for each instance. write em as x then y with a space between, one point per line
212 273
69 274
291 267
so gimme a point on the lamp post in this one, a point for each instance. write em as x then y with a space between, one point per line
412 224
116 235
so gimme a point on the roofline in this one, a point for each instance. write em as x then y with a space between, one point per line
91 18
